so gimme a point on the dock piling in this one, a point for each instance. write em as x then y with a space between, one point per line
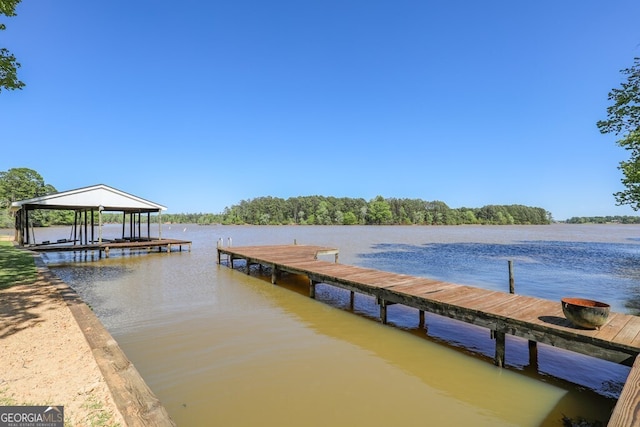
312 288
512 282
533 355
500 348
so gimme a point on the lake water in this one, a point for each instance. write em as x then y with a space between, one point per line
219 347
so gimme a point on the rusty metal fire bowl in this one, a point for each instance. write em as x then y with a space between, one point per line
585 313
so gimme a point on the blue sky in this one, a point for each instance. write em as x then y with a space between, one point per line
198 105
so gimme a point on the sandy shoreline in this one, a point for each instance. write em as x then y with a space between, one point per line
46 359
54 351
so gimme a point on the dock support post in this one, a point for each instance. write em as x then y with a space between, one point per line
533 355
352 298
274 274
500 348
421 318
383 311
247 267
312 288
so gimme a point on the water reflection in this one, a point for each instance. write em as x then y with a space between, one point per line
288 357
550 365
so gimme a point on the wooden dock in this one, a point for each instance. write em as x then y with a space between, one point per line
106 246
535 319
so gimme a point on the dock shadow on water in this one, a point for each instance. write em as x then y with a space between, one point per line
456 358
220 347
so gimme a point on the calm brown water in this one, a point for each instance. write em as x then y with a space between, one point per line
219 347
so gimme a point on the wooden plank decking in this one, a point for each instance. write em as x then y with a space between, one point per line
535 319
106 246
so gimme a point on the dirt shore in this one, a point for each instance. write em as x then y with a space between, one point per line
45 358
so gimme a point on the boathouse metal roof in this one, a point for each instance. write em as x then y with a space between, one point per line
101 197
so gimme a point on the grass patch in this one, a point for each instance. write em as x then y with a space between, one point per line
4 400
98 416
17 267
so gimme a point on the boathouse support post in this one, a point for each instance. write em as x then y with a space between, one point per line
421 318
100 209
75 226
500 338
247 267
86 228
274 274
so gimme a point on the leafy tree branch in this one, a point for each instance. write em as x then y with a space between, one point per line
623 119
8 63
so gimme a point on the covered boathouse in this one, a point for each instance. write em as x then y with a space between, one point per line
88 205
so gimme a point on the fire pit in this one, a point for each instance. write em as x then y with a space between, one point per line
585 313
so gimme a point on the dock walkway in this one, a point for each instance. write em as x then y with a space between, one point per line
535 319
106 246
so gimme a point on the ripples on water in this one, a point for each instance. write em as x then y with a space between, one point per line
212 338
545 269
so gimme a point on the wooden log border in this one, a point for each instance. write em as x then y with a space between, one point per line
134 399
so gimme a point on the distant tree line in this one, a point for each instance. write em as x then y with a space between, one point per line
619 219
22 183
322 210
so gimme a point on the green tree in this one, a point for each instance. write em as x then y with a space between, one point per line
469 216
8 64
379 211
323 216
20 184
437 212
349 218
623 118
